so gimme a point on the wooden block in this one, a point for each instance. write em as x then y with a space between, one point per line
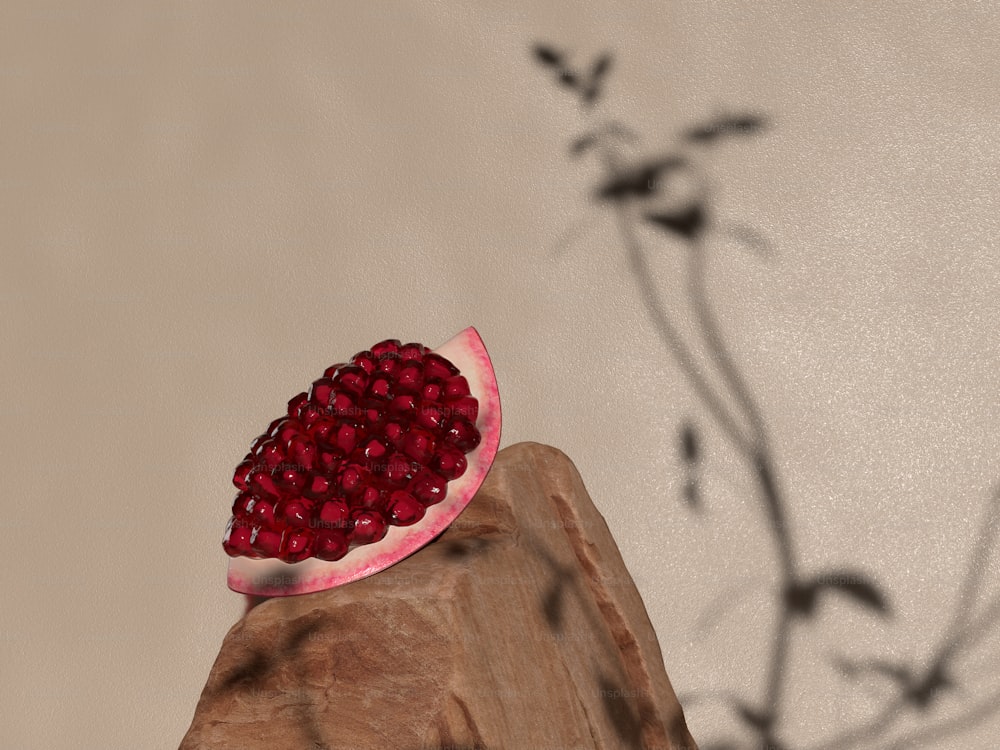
518 628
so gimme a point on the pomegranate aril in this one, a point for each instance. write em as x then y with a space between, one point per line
466 407
449 462
428 487
262 484
241 477
431 392
330 544
352 378
456 387
333 514
321 391
265 542
237 538
243 505
263 513
368 526
317 487
296 545
419 445
404 509
380 387
410 377
437 367
309 414
297 402
290 479
412 351
462 434
352 478
372 497
398 469
328 462
343 405
346 438
394 432
302 452
365 361
388 365
403 405
295 512
387 348
322 431
374 449
286 429
330 371
430 416
270 453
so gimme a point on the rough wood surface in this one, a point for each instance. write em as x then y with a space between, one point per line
518 628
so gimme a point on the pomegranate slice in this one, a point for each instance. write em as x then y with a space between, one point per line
372 464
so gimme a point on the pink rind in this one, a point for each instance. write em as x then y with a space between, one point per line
272 577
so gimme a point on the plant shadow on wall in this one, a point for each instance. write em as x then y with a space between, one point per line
669 193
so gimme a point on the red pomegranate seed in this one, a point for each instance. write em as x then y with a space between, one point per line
369 526
462 434
456 387
243 505
317 487
449 462
430 416
330 371
372 497
388 366
410 377
412 351
286 429
302 452
263 513
394 432
437 367
330 544
290 479
428 487
328 462
322 431
365 361
431 392
237 539
295 511
374 449
321 391
353 379
404 509
347 437
241 477
270 453
398 469
297 402
466 407
380 387
265 541
387 348
352 478
419 445
262 484
333 514
296 545
404 405
343 405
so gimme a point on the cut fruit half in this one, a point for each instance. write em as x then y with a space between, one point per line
371 465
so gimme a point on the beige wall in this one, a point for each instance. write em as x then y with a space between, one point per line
203 204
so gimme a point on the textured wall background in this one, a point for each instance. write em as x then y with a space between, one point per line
204 204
